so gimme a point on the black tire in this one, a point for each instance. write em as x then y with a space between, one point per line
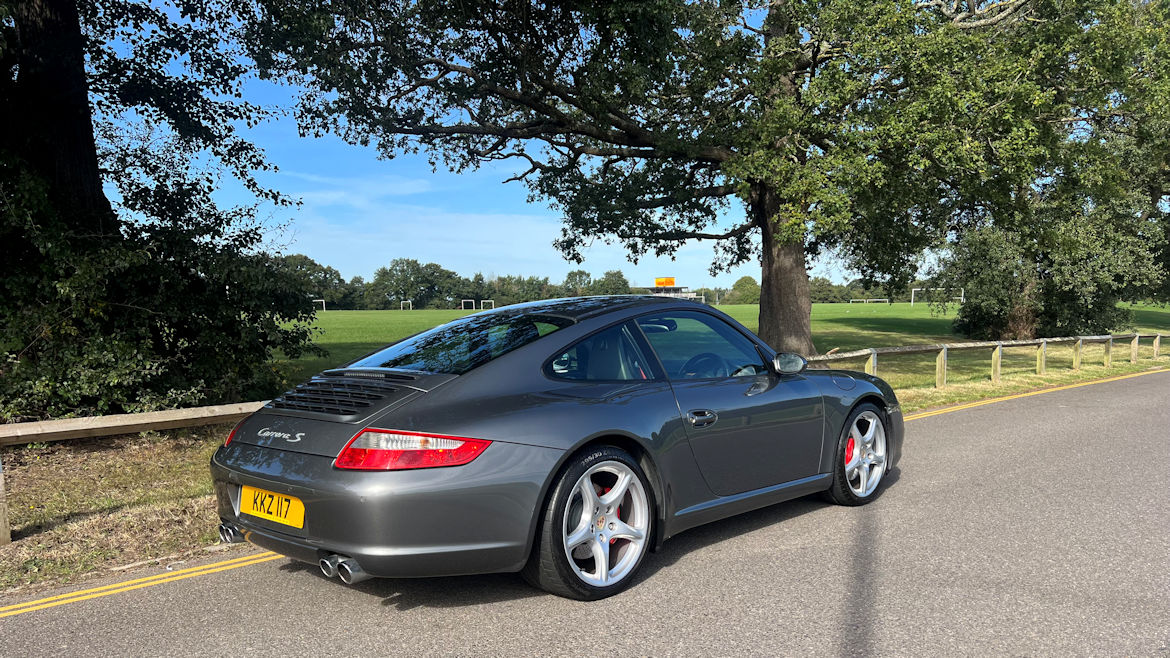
841 492
548 566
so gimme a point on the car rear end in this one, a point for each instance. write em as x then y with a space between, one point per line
325 474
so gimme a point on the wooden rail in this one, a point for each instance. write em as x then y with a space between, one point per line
80 428
942 351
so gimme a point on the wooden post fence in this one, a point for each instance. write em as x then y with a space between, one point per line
1077 347
1133 349
1042 357
996 362
1157 344
871 363
940 368
5 533
1108 361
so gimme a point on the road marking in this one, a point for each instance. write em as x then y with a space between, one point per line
138 583
980 403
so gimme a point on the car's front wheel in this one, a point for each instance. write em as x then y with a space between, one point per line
861 457
596 527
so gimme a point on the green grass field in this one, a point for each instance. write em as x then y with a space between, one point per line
351 334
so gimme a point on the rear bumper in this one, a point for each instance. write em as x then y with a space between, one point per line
476 518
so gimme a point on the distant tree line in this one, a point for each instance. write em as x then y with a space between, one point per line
430 285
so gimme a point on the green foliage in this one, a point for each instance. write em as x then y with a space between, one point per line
577 282
1063 279
162 298
744 291
612 282
324 282
176 312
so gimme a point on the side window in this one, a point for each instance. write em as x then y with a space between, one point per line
695 345
610 355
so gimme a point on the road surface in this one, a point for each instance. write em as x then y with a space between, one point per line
1037 525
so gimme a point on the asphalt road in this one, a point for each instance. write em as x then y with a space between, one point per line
1038 525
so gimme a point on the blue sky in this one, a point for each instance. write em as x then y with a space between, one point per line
359 212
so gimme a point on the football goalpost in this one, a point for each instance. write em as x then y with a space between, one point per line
463 304
486 301
962 296
406 305
322 303
871 300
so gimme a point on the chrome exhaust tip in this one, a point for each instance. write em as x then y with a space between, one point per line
229 534
329 564
351 572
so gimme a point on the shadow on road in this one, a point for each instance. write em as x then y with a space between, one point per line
460 591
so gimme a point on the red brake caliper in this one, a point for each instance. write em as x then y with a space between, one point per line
849 446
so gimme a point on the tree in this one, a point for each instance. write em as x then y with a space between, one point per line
577 282
744 291
871 128
125 286
405 279
612 282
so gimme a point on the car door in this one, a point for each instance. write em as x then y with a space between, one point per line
748 427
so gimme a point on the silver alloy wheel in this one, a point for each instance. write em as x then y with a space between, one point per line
606 521
865 454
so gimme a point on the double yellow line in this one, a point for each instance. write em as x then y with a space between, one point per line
138 583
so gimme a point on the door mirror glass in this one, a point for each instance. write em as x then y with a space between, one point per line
787 363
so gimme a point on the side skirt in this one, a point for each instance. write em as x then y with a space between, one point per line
726 506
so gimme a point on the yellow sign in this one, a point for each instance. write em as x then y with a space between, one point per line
288 510
664 282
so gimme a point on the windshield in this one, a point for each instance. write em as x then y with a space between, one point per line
457 347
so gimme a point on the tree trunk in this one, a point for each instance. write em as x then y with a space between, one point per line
785 302
47 116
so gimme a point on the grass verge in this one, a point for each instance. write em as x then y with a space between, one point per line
87 507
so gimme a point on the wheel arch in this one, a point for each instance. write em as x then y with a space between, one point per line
641 455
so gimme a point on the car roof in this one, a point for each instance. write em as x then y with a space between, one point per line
580 308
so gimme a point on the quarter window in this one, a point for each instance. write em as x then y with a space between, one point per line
695 345
609 355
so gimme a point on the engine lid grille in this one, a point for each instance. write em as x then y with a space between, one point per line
336 396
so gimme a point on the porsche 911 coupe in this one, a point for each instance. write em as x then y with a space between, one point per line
563 439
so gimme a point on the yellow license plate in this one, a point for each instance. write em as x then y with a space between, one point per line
280 508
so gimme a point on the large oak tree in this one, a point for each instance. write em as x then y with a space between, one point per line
775 129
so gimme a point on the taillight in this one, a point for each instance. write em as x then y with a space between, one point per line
232 434
393 450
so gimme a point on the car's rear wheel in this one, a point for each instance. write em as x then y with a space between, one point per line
596 527
861 457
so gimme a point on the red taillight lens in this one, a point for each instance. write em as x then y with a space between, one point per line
232 434
392 450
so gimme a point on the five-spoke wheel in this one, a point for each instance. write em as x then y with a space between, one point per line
861 460
596 527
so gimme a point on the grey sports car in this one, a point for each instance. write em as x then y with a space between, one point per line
562 439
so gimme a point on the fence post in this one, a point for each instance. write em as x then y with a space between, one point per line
940 368
1077 347
1109 352
5 532
996 360
1157 344
1133 348
1042 357
871 363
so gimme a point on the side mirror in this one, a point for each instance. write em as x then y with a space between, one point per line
787 363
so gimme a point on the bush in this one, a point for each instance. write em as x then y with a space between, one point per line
170 312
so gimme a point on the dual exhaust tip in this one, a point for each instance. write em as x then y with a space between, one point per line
230 534
345 568
333 566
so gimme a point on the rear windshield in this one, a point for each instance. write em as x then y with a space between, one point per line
457 347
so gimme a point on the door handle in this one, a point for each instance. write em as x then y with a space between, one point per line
702 417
